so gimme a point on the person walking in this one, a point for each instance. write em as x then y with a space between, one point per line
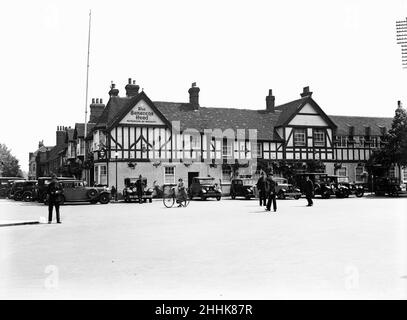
261 186
54 190
271 192
113 192
309 191
140 188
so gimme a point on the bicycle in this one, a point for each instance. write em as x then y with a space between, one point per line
170 197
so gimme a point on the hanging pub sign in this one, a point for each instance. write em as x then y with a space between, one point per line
142 113
102 153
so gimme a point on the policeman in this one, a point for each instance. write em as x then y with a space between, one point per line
54 192
271 192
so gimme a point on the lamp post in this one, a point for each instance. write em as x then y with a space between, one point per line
116 154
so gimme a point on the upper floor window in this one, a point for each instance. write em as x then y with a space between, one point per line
299 138
257 150
227 149
319 137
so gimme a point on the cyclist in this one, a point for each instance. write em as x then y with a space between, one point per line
182 194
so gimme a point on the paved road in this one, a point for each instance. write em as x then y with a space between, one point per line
340 248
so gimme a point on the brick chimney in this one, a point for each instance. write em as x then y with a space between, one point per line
40 144
132 88
306 92
194 96
61 134
96 110
113 91
270 101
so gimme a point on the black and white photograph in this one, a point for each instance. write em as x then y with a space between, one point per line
203 150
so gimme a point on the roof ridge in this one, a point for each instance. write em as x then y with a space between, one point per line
336 115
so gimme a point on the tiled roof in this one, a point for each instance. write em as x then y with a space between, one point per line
55 151
112 110
288 109
359 123
220 118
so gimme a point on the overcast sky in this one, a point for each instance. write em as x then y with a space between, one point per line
345 51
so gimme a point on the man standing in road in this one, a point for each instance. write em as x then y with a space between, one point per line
54 191
271 192
140 188
261 186
309 191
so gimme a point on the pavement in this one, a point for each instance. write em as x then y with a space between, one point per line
338 249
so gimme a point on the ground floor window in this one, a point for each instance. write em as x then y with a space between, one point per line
226 174
169 175
342 172
360 175
392 172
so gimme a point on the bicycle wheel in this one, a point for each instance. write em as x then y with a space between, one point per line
169 200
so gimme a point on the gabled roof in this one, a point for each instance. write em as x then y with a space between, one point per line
56 151
221 118
359 124
290 109
114 106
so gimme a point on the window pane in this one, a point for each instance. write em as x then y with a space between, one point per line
299 137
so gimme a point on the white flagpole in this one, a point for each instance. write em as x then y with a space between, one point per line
86 98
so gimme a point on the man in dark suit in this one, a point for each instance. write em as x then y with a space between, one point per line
271 192
261 186
309 191
54 192
140 188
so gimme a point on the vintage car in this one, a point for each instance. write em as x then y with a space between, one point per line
392 187
41 188
130 190
204 188
16 191
285 189
5 185
77 191
242 188
28 191
343 188
322 185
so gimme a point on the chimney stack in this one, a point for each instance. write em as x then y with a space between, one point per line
306 92
131 88
113 91
60 136
270 101
194 96
399 105
96 110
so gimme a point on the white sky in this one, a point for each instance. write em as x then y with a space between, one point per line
345 51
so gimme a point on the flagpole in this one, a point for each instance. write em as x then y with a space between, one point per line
86 95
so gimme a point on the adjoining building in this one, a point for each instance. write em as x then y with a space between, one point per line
164 141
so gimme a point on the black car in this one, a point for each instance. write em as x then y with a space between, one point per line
16 191
29 191
204 188
322 185
344 188
130 190
389 186
41 188
5 185
242 188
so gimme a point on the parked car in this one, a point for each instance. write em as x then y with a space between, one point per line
322 185
77 191
5 185
285 189
389 186
16 191
242 188
41 188
29 191
130 190
204 188
343 188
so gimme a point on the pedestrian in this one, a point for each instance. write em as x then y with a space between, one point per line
309 191
261 186
182 194
54 191
271 192
140 188
113 192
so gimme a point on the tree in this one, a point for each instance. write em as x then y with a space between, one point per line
394 150
9 166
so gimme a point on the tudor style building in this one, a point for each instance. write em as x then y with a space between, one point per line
163 141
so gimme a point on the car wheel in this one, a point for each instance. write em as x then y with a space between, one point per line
297 197
27 196
359 194
326 195
18 196
218 198
203 198
281 195
92 193
104 198
233 196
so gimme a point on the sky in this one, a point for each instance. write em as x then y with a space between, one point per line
235 51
